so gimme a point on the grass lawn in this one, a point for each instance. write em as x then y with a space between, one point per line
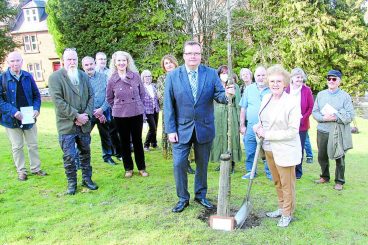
138 210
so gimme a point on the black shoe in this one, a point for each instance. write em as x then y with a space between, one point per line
205 203
110 161
89 184
180 206
190 170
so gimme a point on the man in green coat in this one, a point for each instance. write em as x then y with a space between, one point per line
73 97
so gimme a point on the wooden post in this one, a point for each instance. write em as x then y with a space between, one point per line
224 186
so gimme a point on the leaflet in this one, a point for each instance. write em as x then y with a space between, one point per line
27 113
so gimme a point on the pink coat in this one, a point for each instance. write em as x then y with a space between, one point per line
306 106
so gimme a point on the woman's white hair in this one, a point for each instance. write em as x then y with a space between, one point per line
145 73
245 70
131 66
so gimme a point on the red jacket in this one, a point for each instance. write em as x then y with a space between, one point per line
306 106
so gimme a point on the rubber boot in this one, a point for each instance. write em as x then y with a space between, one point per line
89 184
72 184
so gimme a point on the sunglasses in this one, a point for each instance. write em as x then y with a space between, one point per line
334 79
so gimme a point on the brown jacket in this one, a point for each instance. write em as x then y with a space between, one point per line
125 96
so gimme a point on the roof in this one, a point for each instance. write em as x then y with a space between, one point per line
22 26
34 4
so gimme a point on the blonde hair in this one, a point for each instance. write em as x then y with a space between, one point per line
171 58
278 69
131 65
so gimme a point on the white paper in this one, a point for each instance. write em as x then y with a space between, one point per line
328 109
27 113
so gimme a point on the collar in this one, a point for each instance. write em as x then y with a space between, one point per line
94 75
15 75
115 77
189 70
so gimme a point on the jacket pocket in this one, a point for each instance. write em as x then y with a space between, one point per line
183 121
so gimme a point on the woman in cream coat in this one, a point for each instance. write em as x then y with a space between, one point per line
279 127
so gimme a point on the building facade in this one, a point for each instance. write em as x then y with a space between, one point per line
36 45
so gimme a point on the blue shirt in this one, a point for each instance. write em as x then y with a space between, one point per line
98 82
251 101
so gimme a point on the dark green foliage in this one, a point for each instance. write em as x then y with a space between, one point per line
6 42
314 35
145 29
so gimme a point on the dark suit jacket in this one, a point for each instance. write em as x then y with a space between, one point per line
69 102
183 112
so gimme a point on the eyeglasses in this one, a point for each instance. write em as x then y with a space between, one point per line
275 82
334 79
193 54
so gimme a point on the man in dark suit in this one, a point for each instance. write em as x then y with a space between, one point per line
189 119
72 94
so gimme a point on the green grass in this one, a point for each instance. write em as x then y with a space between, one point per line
138 210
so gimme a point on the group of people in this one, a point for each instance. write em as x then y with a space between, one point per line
273 110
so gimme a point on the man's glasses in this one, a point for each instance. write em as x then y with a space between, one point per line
193 54
334 79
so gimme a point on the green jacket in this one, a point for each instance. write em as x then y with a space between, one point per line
69 102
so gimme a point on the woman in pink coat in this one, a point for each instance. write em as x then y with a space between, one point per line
304 95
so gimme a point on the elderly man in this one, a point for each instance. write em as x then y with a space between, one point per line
18 89
334 111
250 104
189 120
101 107
73 97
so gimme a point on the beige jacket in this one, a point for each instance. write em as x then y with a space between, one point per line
283 133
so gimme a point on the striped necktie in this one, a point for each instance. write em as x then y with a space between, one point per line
193 83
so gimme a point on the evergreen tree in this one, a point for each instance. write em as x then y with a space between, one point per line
6 42
145 29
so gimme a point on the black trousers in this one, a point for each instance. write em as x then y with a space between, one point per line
103 129
322 141
131 126
115 138
299 167
151 138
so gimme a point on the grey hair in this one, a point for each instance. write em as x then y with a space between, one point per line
145 73
298 71
88 58
244 70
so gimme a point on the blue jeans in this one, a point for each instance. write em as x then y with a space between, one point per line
250 144
308 147
68 143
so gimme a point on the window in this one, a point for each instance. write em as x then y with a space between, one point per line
30 15
36 71
30 44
